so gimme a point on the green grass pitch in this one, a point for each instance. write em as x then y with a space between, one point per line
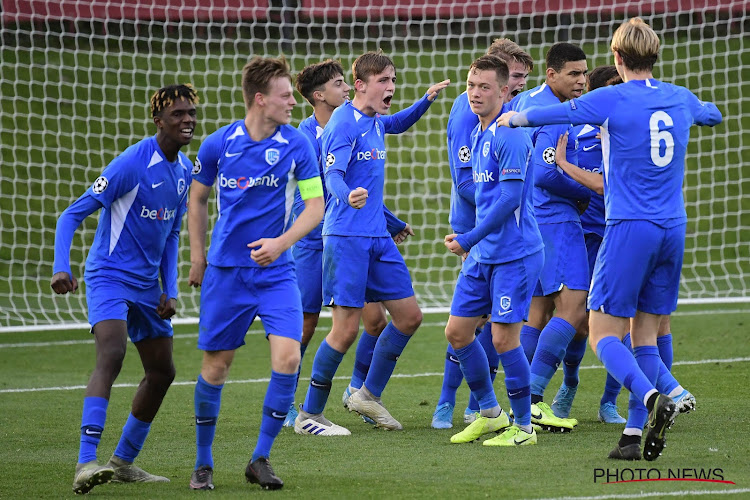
39 425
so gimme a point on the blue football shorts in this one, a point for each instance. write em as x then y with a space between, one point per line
308 263
638 268
593 242
503 290
113 299
232 297
359 269
565 261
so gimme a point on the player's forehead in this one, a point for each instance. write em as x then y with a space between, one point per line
335 80
179 104
574 67
280 85
517 68
388 73
481 76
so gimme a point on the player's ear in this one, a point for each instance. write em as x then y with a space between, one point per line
157 121
360 85
259 99
551 73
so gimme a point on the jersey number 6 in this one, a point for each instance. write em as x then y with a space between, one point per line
657 136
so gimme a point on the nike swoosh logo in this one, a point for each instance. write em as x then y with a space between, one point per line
454 359
315 384
365 134
229 155
588 148
511 394
89 432
538 417
154 186
515 441
199 421
276 415
504 313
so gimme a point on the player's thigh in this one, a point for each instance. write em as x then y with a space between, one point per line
405 314
512 286
346 262
387 278
460 330
626 258
279 303
374 319
308 265
565 258
228 308
659 293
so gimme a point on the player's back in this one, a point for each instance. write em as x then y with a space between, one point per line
590 159
311 129
645 140
142 195
255 187
461 123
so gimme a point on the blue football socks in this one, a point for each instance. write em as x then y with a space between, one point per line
529 340
620 363
452 378
279 397
92 424
327 361
477 374
553 341
572 361
363 359
388 348
517 383
134 434
493 358
207 403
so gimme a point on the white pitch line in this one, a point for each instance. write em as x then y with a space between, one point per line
735 491
397 375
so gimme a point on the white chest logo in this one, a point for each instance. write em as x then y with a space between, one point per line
272 156
180 186
549 155
377 128
464 154
486 149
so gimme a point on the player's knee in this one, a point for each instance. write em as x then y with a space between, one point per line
161 377
375 326
287 362
456 337
110 357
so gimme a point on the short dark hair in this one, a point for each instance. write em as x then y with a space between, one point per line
563 52
603 76
370 63
166 96
497 64
315 76
258 73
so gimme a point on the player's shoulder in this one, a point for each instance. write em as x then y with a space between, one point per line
344 114
509 137
225 133
460 104
139 156
310 127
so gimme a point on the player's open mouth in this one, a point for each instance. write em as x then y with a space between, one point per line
516 92
187 132
387 100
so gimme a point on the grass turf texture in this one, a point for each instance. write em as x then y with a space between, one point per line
39 430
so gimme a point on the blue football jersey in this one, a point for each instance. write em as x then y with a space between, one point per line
461 122
354 144
255 181
500 154
313 131
590 159
555 193
144 198
645 132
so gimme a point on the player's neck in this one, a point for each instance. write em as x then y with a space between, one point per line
488 119
258 127
630 75
168 147
359 103
558 95
323 113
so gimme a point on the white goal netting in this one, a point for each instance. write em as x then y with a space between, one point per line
76 76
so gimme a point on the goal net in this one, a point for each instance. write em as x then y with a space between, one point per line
76 76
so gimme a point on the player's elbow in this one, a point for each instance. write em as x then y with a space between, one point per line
316 208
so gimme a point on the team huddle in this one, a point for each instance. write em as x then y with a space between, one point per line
566 209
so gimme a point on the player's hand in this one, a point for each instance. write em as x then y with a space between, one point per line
504 119
434 91
197 270
358 198
453 245
582 206
63 283
166 308
404 234
267 251
560 152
